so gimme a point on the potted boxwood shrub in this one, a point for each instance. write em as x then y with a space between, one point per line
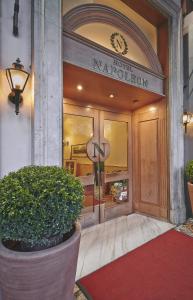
189 174
39 234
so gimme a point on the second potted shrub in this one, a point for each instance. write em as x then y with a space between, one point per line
39 234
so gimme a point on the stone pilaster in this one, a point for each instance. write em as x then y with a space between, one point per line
175 110
48 81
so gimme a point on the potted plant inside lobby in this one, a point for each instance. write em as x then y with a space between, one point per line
189 175
40 235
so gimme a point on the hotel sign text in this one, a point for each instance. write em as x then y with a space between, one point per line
120 71
80 54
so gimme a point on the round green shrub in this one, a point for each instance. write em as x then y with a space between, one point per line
37 203
189 170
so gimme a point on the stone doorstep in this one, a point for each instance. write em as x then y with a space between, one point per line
78 295
187 227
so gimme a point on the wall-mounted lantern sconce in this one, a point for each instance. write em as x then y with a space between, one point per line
187 118
17 79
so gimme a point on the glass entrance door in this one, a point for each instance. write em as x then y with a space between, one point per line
80 124
96 149
117 189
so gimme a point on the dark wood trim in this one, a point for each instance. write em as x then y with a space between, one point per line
168 8
89 13
147 11
163 52
187 7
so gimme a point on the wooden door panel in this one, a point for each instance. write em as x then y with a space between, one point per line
150 160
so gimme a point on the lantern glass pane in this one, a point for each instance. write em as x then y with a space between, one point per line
185 118
191 118
18 78
188 118
9 78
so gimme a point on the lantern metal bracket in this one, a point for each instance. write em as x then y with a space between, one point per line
15 18
16 98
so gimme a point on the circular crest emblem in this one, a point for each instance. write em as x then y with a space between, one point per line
119 43
98 152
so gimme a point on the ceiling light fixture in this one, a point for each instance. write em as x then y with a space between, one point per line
88 107
135 100
111 96
152 109
79 87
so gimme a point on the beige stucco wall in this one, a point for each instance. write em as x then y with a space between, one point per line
101 34
148 29
15 131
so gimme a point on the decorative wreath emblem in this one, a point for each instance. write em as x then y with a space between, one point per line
119 43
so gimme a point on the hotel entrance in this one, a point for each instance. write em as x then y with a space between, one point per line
114 141
115 111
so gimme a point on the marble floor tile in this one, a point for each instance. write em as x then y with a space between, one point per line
103 243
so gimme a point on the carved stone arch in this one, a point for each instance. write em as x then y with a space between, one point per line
92 13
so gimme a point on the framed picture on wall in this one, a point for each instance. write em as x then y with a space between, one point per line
70 165
78 150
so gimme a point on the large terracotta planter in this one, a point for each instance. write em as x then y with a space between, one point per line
42 275
190 190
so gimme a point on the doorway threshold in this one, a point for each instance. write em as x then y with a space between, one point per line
103 243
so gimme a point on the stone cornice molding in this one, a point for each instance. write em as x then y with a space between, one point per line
92 13
76 37
168 7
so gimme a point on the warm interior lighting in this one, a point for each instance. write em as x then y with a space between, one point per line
152 108
79 87
18 79
187 118
111 96
88 107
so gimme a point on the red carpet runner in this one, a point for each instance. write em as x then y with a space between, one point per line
162 269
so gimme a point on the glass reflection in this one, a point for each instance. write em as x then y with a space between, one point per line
78 130
116 188
116 192
116 133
